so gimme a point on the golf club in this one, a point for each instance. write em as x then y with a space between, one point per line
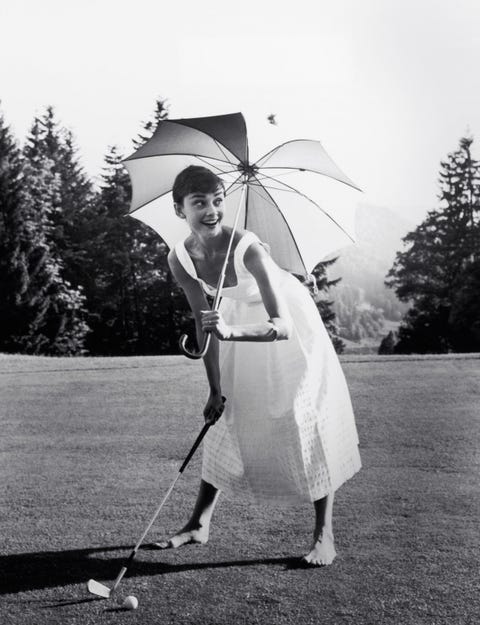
101 590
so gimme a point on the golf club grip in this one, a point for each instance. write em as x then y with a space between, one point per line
197 442
194 447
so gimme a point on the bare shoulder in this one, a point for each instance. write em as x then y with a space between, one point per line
172 259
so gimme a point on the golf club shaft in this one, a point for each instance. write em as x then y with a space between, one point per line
133 553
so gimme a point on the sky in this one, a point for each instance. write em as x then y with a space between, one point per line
387 86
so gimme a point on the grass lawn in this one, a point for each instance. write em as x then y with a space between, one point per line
89 446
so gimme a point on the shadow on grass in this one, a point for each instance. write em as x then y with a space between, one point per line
61 604
33 571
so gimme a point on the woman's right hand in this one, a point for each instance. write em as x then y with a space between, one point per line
213 408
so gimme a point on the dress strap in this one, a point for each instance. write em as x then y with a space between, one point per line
185 260
244 243
242 246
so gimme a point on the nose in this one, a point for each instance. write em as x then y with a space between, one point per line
211 208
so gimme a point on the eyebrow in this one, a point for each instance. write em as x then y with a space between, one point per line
202 195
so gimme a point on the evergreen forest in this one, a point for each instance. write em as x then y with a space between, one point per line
438 271
79 276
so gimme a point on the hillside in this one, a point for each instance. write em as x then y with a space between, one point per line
366 309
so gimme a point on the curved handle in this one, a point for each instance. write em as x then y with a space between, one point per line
221 280
194 355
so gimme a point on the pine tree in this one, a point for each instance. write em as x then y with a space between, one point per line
387 346
319 286
464 316
41 313
114 318
175 317
73 202
56 319
14 248
431 272
160 113
134 307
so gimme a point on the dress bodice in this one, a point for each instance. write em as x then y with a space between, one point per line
246 288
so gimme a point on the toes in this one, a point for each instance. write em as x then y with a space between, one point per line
163 544
180 540
319 557
311 563
307 562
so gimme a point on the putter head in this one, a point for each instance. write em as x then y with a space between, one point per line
96 588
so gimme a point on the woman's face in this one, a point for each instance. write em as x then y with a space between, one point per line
203 211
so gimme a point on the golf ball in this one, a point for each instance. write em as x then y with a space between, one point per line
130 603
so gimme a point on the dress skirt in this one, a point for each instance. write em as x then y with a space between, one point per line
288 433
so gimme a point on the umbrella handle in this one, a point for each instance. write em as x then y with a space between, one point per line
221 280
194 355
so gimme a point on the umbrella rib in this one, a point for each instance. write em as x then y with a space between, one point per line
207 162
157 197
284 219
259 183
285 173
235 182
314 171
272 152
265 186
182 123
269 155
141 158
288 187
231 171
221 148
169 190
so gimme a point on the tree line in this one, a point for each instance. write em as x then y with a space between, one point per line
79 277
438 272
76 275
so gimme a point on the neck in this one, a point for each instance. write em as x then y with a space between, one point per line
211 245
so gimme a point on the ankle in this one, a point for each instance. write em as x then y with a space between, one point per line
325 531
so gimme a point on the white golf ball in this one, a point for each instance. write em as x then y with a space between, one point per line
130 603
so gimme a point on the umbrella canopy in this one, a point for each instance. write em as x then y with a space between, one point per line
280 196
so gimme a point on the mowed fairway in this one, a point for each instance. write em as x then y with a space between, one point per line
89 446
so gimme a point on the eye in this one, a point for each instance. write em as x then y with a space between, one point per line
218 201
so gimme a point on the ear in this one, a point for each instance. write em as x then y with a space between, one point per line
179 210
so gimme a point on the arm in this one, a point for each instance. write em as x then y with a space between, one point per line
267 275
198 302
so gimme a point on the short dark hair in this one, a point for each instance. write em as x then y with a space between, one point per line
195 178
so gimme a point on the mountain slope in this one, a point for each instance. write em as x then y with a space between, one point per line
365 307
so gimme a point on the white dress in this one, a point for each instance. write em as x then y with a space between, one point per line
288 432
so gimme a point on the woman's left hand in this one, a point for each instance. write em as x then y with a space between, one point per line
212 321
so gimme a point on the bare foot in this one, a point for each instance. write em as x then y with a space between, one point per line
186 536
323 550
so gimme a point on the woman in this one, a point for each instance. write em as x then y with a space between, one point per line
288 433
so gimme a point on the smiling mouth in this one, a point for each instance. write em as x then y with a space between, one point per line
210 223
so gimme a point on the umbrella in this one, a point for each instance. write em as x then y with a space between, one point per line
279 196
